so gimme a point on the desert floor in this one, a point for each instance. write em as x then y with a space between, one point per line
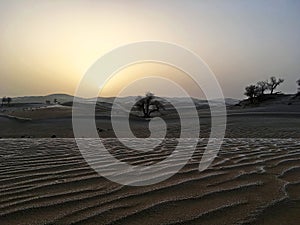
255 178
279 121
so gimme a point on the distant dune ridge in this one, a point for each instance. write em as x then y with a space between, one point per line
63 98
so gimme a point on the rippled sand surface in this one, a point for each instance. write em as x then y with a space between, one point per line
252 181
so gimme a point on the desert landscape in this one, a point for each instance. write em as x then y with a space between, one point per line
136 112
253 180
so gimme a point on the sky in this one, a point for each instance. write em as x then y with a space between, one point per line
47 46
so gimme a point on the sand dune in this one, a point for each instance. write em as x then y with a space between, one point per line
47 182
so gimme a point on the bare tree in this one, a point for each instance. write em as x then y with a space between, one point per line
272 85
252 91
149 104
4 99
8 100
262 87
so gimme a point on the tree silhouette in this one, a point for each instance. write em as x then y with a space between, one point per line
262 87
4 99
149 104
252 91
272 85
8 100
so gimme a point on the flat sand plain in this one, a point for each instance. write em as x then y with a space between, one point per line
275 121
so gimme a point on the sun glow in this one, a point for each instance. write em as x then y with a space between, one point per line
47 46
140 71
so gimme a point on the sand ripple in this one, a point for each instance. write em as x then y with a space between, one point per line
252 181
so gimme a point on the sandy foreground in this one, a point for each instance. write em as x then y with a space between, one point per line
255 178
252 181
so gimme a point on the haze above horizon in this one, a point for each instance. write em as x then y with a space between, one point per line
46 46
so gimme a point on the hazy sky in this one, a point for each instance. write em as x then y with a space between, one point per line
46 46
